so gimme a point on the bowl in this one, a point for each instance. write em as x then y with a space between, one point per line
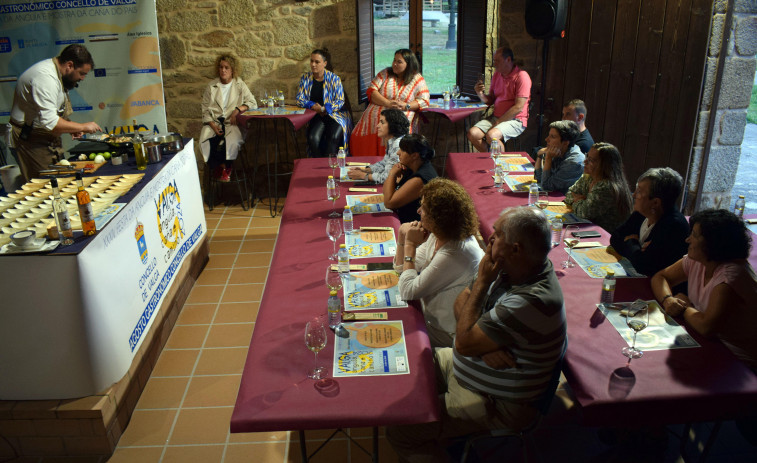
23 238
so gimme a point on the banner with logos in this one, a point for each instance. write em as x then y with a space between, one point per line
122 36
139 255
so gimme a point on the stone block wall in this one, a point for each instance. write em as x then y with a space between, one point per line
719 175
271 38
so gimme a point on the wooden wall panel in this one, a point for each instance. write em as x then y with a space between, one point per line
598 64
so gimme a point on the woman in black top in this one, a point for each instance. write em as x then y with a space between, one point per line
654 237
402 188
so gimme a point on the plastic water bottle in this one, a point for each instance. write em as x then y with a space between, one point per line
738 208
347 220
608 289
343 259
499 178
341 157
556 225
330 188
533 193
335 310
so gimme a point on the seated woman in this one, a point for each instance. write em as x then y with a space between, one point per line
722 284
400 86
321 90
403 185
392 126
601 194
438 256
655 234
562 162
224 98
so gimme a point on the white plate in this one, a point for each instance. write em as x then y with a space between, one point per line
45 246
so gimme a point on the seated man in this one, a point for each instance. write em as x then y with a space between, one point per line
563 162
509 93
509 336
575 110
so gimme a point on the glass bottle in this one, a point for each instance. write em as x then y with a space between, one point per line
62 220
85 208
139 152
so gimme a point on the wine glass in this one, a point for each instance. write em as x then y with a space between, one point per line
333 195
334 231
455 93
333 279
571 241
333 162
542 201
495 152
637 318
315 340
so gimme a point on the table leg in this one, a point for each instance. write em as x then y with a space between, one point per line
303 446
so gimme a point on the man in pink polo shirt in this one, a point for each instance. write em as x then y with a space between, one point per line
509 93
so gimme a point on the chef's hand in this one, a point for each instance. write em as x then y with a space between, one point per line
91 127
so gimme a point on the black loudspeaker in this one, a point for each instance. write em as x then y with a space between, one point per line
545 19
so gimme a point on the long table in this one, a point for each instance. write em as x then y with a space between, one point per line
71 322
662 387
275 393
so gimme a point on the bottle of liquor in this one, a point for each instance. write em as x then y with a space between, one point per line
85 208
62 220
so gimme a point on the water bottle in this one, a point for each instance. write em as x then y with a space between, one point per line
556 225
738 209
341 157
335 310
347 220
330 188
343 259
533 193
608 289
499 176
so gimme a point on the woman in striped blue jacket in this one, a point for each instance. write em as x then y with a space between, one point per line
321 90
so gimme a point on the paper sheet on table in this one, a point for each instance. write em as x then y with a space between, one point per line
662 333
371 243
372 290
366 204
373 349
597 261
343 177
518 183
568 217
515 164
274 111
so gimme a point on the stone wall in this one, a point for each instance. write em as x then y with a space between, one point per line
272 39
730 114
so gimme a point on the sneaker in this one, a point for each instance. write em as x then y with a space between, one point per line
225 175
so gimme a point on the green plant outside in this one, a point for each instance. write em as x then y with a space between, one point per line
751 112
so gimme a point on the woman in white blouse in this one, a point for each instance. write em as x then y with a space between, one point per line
438 256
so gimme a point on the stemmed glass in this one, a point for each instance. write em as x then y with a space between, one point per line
637 318
334 231
494 154
571 241
455 93
315 340
543 200
333 196
333 163
333 279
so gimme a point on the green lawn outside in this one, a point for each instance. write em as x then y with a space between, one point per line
751 113
439 64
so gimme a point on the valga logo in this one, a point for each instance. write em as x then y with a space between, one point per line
170 217
139 235
145 103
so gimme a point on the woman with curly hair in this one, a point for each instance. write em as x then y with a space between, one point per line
601 194
722 284
442 244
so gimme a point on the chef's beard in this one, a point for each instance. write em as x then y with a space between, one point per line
68 83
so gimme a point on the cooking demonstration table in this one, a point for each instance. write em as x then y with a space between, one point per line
73 320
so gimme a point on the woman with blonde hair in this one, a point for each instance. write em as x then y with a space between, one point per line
438 255
224 99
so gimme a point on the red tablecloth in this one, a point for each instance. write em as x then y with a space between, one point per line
297 120
275 393
667 386
453 114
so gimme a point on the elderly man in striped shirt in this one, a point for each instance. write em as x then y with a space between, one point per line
510 334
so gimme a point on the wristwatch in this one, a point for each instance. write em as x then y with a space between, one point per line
407 107
409 259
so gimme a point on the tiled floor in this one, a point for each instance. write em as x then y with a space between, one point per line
183 414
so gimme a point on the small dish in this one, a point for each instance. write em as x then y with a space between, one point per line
23 239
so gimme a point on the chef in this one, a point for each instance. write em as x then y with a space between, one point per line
41 108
